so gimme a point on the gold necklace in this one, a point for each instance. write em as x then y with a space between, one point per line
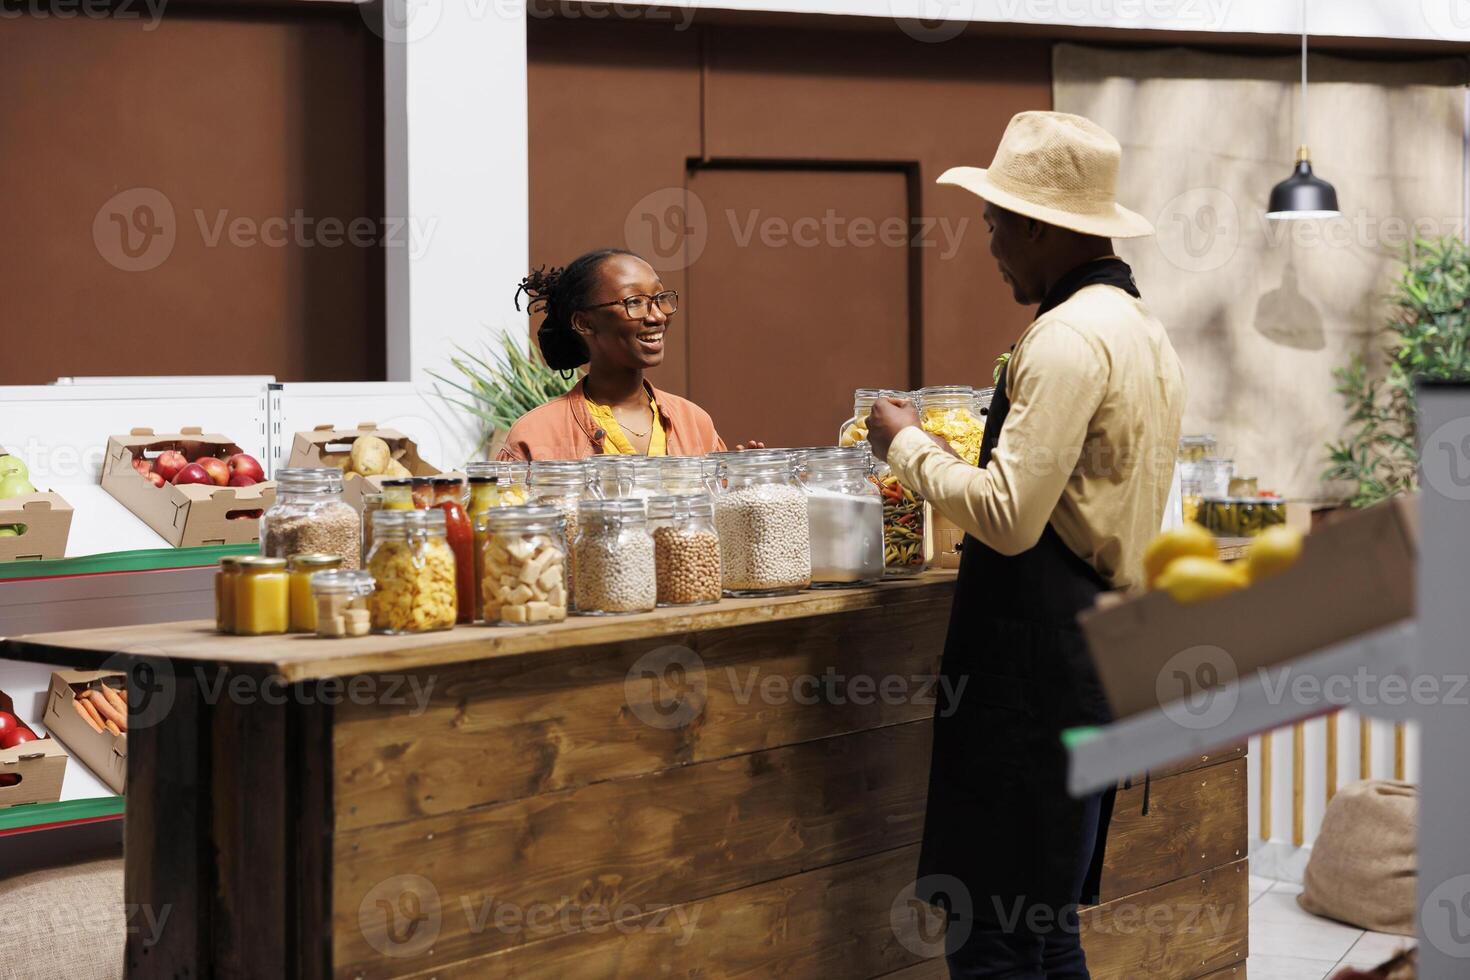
628 428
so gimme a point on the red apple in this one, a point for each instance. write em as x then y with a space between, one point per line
143 466
192 473
243 480
216 468
17 737
169 463
244 464
245 515
9 780
8 722
156 479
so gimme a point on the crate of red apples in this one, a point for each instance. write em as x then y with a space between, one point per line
31 767
191 487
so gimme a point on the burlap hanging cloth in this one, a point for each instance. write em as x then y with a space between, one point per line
1363 865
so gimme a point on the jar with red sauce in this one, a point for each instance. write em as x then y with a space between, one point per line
448 496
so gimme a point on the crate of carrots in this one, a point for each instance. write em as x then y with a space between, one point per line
88 711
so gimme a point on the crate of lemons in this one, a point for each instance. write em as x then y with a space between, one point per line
1184 562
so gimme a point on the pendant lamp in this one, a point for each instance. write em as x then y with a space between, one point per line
1303 195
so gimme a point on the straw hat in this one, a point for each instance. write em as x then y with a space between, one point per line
1057 168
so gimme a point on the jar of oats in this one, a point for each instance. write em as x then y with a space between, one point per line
614 558
765 534
686 549
310 517
413 566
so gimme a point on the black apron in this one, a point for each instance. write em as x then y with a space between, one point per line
999 818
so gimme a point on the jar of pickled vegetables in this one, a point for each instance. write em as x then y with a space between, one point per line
398 493
340 602
903 524
948 411
262 596
224 593
524 565
855 429
460 533
414 569
301 568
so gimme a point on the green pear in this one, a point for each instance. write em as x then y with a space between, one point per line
12 464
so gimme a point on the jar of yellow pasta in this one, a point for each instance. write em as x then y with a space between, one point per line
948 411
855 430
413 567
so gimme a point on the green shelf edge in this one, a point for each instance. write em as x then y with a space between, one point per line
41 814
1073 737
146 560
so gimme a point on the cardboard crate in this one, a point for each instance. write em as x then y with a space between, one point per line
46 519
1355 575
190 515
105 754
947 540
328 446
41 766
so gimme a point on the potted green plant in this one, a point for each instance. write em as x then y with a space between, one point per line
1428 337
501 386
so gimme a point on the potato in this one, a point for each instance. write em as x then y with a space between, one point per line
370 456
396 468
339 460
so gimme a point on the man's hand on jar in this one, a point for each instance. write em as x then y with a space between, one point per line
887 418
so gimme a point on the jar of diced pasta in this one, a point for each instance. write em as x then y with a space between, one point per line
948 411
413 567
523 567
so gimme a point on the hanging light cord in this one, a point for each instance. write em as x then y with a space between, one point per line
1303 141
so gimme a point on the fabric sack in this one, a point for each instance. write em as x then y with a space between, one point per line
1363 866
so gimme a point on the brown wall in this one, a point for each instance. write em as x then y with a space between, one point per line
629 120
221 113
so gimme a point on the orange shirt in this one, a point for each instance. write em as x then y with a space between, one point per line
563 428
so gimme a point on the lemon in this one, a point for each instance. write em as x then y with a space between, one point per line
1192 578
1274 551
1190 539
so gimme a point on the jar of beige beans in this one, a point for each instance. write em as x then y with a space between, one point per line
761 518
686 549
614 558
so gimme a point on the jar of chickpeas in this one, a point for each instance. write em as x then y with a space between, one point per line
414 569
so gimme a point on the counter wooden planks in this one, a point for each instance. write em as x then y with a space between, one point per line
733 790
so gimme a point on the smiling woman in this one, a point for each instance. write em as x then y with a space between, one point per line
608 310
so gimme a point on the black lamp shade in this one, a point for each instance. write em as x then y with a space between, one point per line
1303 196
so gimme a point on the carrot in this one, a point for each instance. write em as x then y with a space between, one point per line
86 717
122 692
113 699
112 727
109 713
91 711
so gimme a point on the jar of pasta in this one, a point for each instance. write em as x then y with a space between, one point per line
340 602
524 565
301 568
903 524
948 411
614 558
262 596
855 429
413 567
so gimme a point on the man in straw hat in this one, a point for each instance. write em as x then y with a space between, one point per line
1074 474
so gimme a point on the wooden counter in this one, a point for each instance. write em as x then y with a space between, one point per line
732 790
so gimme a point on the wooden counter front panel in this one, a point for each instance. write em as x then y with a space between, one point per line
502 730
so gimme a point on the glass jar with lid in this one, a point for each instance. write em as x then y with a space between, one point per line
300 569
624 476
310 517
855 429
686 549
614 558
496 483
903 524
1192 449
845 514
681 474
224 593
761 518
340 602
372 502
460 533
397 493
262 596
948 411
563 484
523 565
413 567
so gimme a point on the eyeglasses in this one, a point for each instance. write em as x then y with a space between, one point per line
638 306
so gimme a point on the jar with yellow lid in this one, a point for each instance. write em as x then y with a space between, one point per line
300 568
224 593
413 567
398 493
262 597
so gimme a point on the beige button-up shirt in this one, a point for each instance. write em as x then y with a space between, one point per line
1089 446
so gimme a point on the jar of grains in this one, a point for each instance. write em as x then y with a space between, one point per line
614 558
563 484
686 549
903 524
681 474
524 565
761 517
413 567
855 429
310 516
845 511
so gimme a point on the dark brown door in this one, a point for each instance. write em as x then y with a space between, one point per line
798 293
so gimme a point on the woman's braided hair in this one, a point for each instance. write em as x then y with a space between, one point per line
560 292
